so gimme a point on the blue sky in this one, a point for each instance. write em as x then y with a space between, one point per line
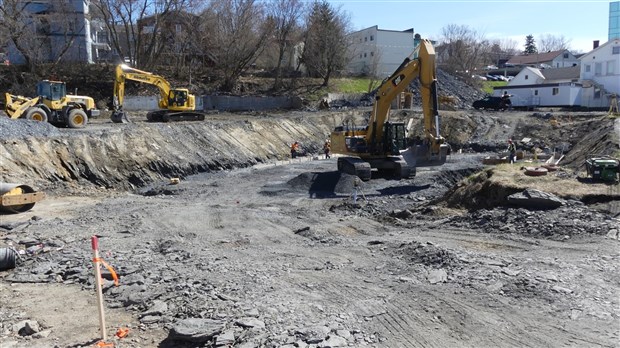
581 22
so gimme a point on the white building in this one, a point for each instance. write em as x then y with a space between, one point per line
533 87
551 59
379 52
58 29
600 74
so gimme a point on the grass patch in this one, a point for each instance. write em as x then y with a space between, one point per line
487 86
511 175
351 85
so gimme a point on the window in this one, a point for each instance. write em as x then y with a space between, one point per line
615 50
598 69
372 54
526 77
371 38
360 55
555 91
586 68
610 67
364 54
597 93
365 38
535 92
565 55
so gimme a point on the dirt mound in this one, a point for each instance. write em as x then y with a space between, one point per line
461 94
317 184
571 220
479 192
427 254
13 129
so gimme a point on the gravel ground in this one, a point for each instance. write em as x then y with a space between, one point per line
279 255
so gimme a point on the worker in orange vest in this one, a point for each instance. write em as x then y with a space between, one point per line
294 149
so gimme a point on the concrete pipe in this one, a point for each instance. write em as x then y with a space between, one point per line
18 198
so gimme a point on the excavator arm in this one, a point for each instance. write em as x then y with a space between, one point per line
420 64
124 72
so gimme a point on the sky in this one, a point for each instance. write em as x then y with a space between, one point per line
580 22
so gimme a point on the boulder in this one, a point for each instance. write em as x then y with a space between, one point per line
535 199
196 330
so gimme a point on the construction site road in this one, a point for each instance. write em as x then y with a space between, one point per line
278 254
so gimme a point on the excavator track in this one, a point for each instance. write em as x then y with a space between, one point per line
355 166
400 168
167 116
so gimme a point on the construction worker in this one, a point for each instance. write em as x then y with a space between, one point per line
506 103
327 149
294 149
512 149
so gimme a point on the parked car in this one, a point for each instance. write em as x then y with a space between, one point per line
490 102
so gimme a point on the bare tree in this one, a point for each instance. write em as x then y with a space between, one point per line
135 27
372 71
235 32
465 49
325 43
286 15
40 32
549 42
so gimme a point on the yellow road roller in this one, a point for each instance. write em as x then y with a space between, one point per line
18 198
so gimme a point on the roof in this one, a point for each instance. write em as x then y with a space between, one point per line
534 58
612 41
561 73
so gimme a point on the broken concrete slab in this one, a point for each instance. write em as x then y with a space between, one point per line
535 199
196 330
437 276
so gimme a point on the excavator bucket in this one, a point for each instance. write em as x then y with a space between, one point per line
119 117
18 198
421 156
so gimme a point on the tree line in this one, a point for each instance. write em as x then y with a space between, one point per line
226 37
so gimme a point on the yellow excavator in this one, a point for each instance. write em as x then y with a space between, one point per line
53 105
175 104
382 144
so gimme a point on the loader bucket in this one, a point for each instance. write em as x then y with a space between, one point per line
18 198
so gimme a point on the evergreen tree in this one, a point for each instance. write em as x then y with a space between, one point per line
530 45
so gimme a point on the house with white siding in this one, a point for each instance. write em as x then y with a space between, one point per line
379 52
600 74
533 87
551 59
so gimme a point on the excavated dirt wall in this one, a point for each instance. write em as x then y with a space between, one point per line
133 155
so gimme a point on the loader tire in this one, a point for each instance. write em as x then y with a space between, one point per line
36 114
77 119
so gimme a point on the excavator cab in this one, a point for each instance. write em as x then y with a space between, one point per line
177 98
395 140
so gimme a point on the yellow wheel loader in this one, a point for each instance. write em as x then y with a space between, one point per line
53 105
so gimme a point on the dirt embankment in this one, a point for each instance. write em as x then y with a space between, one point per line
128 156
